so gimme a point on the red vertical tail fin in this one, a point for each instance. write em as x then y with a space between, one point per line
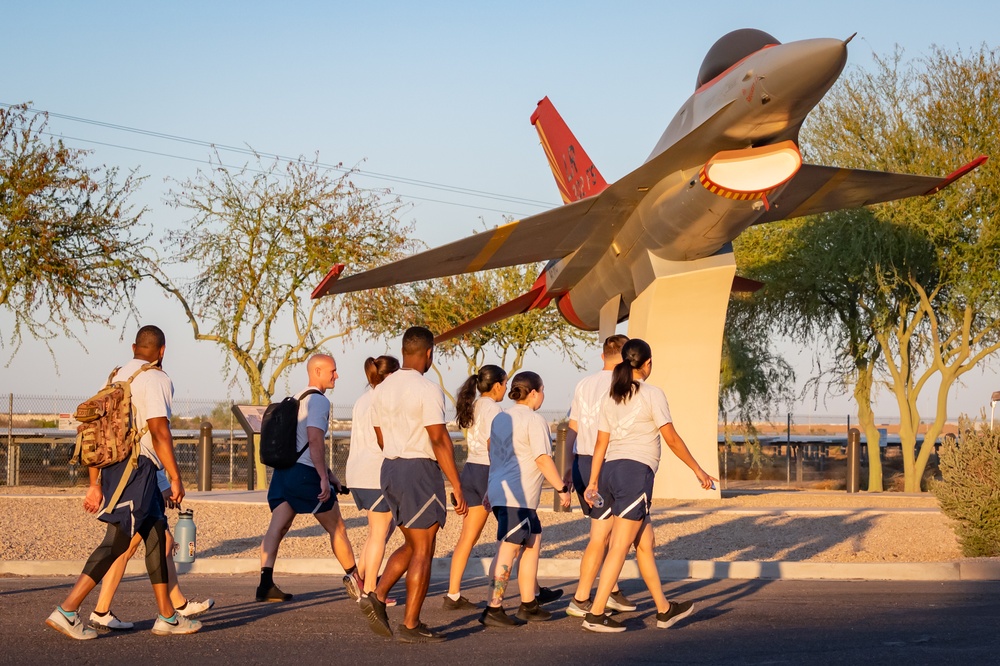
575 173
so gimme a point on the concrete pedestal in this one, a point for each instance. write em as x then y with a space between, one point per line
681 314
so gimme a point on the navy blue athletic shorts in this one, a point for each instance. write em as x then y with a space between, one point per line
516 524
138 501
627 489
299 486
581 477
414 488
474 479
370 499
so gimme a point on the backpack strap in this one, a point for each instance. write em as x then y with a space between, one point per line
309 391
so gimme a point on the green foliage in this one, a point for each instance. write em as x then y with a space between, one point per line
260 239
448 302
969 492
71 247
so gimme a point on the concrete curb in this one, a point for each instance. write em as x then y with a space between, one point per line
569 569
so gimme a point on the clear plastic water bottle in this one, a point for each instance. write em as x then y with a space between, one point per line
594 498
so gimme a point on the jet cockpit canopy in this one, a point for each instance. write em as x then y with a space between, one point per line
730 49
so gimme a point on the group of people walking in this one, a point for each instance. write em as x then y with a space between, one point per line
401 453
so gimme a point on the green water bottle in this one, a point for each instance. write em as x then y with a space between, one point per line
184 535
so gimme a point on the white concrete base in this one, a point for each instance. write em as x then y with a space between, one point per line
682 314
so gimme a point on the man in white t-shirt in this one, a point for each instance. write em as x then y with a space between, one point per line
408 417
584 415
305 487
138 509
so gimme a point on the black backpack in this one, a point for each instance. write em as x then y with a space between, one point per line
278 430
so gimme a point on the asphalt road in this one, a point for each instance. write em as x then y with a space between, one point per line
745 622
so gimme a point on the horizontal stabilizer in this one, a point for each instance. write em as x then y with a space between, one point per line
520 305
549 235
822 189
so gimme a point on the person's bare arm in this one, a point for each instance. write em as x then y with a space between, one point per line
548 468
600 449
680 449
378 438
444 451
163 445
317 448
570 444
95 496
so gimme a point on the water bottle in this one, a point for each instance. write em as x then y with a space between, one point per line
594 498
184 535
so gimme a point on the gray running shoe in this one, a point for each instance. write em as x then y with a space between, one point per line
75 629
676 613
353 591
579 608
419 634
374 611
180 625
619 602
602 624
108 622
195 608
532 613
457 604
497 617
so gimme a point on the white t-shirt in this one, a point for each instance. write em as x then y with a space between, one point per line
518 437
483 411
314 412
403 405
634 425
152 397
585 409
364 462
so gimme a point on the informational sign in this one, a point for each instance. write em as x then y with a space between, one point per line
250 417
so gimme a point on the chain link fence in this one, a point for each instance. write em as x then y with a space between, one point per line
38 435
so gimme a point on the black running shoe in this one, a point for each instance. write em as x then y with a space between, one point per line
677 612
547 595
419 634
602 624
496 617
533 612
460 604
272 593
374 611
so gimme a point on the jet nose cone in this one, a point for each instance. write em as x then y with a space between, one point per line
811 65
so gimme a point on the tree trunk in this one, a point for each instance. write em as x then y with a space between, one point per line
866 419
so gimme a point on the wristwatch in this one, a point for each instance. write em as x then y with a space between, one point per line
564 489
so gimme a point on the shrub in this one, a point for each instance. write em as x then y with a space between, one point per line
969 492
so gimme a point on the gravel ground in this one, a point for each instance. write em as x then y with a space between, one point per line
762 526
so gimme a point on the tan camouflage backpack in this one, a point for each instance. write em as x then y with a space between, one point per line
106 434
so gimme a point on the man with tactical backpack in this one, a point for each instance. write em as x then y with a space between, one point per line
305 486
125 491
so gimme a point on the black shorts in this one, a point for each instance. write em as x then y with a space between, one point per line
581 477
414 489
474 479
627 489
516 524
299 485
370 499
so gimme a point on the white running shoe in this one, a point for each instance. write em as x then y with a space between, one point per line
75 629
108 622
195 608
619 602
180 625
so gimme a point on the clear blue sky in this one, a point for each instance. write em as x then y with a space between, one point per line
438 92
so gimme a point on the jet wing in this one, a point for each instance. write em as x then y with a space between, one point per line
822 189
549 235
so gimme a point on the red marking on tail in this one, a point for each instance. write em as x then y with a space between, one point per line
575 173
323 288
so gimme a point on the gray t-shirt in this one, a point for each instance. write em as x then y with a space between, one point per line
152 396
585 409
483 412
518 437
314 412
403 405
634 425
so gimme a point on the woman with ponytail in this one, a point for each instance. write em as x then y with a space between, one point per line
475 415
520 459
634 416
364 468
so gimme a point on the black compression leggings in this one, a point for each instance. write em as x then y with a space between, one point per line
116 542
